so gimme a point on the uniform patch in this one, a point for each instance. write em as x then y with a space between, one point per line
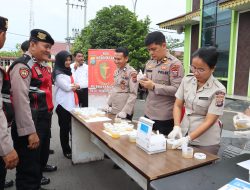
134 77
122 85
38 72
220 96
24 72
175 70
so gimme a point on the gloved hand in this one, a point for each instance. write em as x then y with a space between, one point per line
176 132
181 141
107 108
122 115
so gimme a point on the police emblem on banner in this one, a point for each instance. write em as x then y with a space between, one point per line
220 97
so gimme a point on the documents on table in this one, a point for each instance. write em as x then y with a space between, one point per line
236 184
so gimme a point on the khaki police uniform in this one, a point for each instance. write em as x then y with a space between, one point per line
198 103
28 173
124 91
6 144
167 75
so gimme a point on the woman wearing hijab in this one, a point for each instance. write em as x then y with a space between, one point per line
65 97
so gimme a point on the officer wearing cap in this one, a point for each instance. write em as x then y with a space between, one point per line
203 96
124 93
164 73
8 155
31 88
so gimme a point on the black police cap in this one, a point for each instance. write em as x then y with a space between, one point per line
25 45
41 35
3 24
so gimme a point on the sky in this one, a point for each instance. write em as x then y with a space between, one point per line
51 15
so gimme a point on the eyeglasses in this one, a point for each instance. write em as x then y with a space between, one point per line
198 70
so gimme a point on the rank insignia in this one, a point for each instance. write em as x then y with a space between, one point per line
219 96
24 72
41 36
165 60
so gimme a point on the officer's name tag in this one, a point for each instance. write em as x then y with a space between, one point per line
203 98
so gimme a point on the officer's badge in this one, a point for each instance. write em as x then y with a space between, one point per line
149 67
24 72
122 84
219 96
175 70
41 36
38 72
163 67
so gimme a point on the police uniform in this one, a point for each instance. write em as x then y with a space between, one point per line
167 75
33 107
124 91
198 103
6 144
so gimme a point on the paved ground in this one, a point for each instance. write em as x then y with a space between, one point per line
100 175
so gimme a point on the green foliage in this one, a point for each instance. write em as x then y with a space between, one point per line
116 26
173 43
16 53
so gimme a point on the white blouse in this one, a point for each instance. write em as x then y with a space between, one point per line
64 94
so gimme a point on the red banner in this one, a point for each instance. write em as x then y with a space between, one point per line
101 69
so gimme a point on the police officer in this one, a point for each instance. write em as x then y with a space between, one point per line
164 73
31 88
8 155
203 96
124 93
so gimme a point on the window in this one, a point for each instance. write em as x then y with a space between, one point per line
216 32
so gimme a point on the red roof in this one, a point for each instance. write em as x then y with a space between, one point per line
58 46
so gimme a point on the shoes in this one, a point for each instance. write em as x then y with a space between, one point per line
51 151
116 167
45 181
8 183
68 155
49 168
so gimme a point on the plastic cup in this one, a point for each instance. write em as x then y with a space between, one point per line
187 152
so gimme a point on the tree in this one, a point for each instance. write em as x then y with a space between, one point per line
16 53
116 26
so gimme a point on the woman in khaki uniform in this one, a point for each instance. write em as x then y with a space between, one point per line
203 96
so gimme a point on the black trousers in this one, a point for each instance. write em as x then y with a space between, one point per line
3 172
64 120
83 97
164 126
43 129
28 170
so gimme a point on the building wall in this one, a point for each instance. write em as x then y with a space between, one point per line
196 5
194 38
243 56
